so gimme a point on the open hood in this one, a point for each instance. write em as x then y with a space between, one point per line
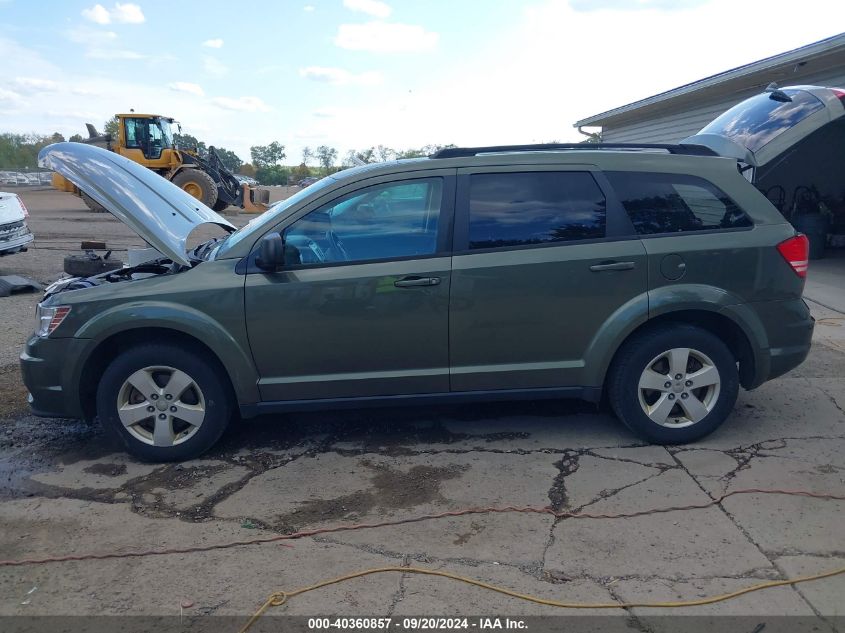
159 211
763 127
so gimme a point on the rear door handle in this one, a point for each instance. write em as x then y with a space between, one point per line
596 268
414 281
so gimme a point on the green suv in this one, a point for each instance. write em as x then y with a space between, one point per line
656 277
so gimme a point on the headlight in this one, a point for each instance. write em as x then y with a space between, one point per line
48 319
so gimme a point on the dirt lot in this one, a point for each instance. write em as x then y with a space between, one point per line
66 489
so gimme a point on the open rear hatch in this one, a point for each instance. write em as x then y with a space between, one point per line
761 128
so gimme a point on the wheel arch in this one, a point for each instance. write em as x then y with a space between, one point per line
714 309
727 328
108 348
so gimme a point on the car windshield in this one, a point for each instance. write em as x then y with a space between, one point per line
275 213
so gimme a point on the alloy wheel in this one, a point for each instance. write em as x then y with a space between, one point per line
679 387
161 406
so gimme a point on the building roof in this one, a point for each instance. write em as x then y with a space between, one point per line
818 56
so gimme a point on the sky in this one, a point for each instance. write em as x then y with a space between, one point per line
358 73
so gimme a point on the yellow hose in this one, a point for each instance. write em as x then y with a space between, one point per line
281 597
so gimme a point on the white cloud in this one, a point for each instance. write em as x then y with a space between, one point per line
340 77
127 14
36 84
385 37
213 43
120 13
370 7
85 115
311 135
91 36
9 96
113 53
241 104
98 13
85 92
308 8
185 86
327 113
214 66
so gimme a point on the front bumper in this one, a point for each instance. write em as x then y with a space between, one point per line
15 243
49 373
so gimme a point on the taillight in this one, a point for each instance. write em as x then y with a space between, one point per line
23 206
796 251
839 92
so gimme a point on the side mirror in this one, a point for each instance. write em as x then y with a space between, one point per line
271 253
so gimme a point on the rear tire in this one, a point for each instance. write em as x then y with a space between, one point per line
165 403
198 184
673 385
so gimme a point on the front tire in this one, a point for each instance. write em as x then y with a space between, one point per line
165 403
92 204
673 385
198 184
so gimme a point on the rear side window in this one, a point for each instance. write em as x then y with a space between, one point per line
672 203
533 208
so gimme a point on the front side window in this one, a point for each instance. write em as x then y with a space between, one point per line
534 208
671 203
386 221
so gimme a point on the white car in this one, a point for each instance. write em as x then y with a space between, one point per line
14 233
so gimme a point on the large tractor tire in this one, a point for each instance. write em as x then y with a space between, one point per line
199 184
95 206
86 266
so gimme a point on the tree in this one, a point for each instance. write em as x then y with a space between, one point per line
272 175
112 127
299 172
229 158
326 156
385 153
247 169
355 157
267 155
21 150
307 155
76 138
190 143
425 150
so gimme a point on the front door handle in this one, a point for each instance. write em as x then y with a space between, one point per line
414 281
596 268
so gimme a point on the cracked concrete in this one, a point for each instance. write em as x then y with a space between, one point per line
65 489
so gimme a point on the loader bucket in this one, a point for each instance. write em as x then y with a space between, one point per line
255 200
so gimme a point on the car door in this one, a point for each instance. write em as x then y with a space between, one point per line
543 258
360 308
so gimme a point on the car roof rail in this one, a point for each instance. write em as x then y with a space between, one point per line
457 152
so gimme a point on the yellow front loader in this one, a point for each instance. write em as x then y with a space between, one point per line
148 140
